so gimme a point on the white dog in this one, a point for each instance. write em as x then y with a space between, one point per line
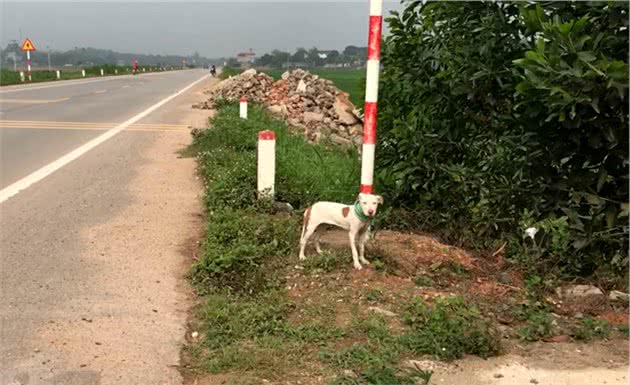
355 218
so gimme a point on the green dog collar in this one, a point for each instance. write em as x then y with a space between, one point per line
359 213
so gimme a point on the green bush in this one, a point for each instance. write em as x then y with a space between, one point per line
449 329
484 127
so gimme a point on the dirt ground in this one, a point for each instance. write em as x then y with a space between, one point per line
544 363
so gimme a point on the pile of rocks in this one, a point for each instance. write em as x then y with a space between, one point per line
307 102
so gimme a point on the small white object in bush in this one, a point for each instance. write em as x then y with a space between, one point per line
531 232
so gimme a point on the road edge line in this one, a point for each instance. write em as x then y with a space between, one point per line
55 165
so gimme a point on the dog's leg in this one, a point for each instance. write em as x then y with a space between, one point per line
363 237
308 231
355 255
318 247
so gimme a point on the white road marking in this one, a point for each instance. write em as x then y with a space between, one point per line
99 92
43 172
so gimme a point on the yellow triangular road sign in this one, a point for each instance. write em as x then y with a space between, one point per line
28 45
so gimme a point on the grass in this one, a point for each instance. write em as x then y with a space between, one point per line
449 329
351 81
226 72
8 77
305 173
251 326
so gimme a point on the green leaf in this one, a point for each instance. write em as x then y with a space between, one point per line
595 104
586 56
540 46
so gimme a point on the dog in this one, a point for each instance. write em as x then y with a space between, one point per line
354 218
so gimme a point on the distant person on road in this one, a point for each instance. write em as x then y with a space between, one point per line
213 71
134 66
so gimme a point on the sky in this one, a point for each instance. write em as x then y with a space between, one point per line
212 28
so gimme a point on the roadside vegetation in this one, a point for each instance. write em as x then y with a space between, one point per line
264 315
516 118
514 149
8 77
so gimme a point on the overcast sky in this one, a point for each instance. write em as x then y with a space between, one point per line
214 29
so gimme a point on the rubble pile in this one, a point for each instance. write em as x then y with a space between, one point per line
307 102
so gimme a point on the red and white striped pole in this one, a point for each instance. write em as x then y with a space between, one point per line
28 65
243 108
371 96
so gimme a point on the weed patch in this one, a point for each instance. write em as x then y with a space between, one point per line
449 329
590 328
241 249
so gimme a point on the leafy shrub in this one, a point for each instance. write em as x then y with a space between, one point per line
449 329
573 95
490 110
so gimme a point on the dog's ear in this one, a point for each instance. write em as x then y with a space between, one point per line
359 196
379 199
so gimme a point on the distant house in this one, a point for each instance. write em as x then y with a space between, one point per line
246 59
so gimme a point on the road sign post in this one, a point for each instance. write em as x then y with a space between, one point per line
27 47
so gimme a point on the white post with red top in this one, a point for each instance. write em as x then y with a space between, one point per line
371 96
243 108
266 163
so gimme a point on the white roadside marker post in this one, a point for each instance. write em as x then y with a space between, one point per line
58 74
22 77
266 163
83 73
102 72
243 108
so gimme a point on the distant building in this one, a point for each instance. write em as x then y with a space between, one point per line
246 59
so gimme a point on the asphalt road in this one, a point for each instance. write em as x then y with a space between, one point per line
48 265
46 120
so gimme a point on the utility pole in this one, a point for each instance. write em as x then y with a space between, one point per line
48 50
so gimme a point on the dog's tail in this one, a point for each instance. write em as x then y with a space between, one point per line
307 216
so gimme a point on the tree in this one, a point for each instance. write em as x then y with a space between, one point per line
313 58
510 114
300 55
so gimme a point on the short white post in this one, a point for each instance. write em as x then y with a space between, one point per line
266 163
22 77
58 74
116 71
83 73
243 108
143 69
102 72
